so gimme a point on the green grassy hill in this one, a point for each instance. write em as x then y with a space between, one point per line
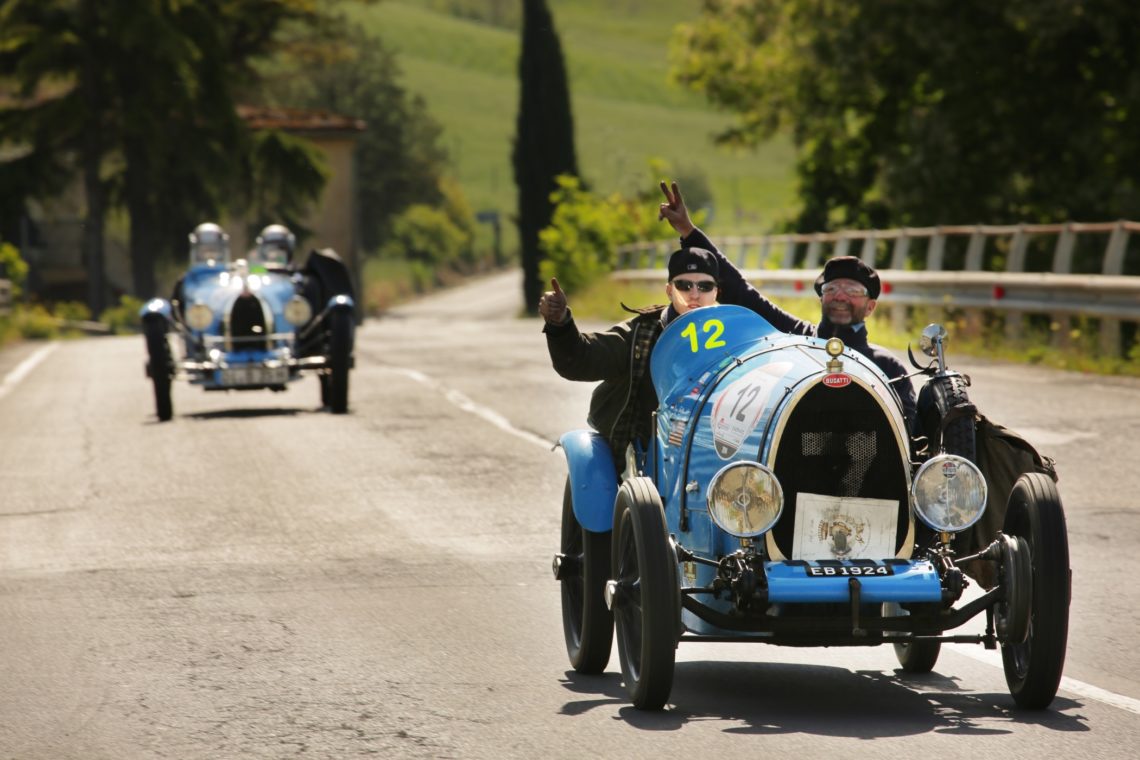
462 57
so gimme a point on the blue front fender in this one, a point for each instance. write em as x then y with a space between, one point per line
593 479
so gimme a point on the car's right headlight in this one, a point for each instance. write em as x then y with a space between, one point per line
949 493
298 311
199 316
745 499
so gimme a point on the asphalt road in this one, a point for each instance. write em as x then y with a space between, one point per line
261 579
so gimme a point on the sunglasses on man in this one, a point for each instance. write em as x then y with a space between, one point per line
705 286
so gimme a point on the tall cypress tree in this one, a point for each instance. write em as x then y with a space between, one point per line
544 138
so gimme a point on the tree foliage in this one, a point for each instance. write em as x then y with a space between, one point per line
400 161
932 111
138 98
544 137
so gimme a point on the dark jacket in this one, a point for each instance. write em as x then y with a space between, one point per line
735 289
622 405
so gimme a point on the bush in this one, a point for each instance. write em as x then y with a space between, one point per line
13 268
123 318
585 231
427 235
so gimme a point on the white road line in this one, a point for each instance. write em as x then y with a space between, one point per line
466 404
1071 685
12 379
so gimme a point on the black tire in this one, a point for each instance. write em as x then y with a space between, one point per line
1033 668
958 434
160 367
647 612
586 621
326 393
914 656
340 359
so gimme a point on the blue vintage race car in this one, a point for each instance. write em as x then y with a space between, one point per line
784 500
254 323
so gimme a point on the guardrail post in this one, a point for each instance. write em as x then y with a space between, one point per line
975 250
868 251
1113 265
1014 320
789 261
899 312
1063 264
841 246
812 259
936 251
765 250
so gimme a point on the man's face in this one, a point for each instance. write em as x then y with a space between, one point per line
845 302
685 292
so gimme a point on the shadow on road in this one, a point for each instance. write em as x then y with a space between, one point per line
777 698
217 414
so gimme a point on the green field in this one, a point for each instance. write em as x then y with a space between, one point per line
626 112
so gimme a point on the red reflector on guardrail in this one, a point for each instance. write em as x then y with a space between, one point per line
886 288
999 292
799 285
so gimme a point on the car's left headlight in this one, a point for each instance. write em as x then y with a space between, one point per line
199 316
949 493
745 499
298 311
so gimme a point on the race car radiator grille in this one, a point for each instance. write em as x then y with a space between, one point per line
839 442
245 327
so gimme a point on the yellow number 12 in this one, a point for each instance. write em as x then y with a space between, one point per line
714 326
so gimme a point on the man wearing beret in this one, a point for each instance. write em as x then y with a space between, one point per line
622 405
847 288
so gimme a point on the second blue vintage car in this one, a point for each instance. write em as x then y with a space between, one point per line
254 323
784 500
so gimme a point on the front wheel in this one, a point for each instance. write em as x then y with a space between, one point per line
1033 667
583 571
916 655
644 594
340 360
159 367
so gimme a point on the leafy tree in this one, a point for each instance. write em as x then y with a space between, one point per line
544 138
139 98
932 111
399 159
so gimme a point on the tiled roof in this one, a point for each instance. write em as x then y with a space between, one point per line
297 119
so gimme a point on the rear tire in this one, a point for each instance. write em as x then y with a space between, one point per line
647 616
1033 667
160 367
340 359
586 622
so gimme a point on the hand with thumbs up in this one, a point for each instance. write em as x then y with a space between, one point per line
552 306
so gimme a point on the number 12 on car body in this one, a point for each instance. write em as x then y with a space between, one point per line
714 340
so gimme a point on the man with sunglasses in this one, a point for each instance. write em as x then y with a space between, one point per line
847 288
622 405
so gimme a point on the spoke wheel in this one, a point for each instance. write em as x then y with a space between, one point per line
159 367
340 359
586 621
647 598
1033 667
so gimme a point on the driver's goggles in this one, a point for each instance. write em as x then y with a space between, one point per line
852 291
705 286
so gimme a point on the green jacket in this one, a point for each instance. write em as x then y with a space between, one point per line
623 403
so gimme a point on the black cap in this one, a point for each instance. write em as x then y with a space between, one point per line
849 268
693 260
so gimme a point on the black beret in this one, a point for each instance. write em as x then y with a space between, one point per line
849 268
690 260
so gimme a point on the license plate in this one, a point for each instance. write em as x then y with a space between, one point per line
255 376
848 571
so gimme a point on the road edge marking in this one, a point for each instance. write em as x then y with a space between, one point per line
463 402
21 370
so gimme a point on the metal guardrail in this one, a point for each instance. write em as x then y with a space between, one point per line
1110 296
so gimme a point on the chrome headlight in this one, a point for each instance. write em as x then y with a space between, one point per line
949 493
298 311
745 499
199 316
